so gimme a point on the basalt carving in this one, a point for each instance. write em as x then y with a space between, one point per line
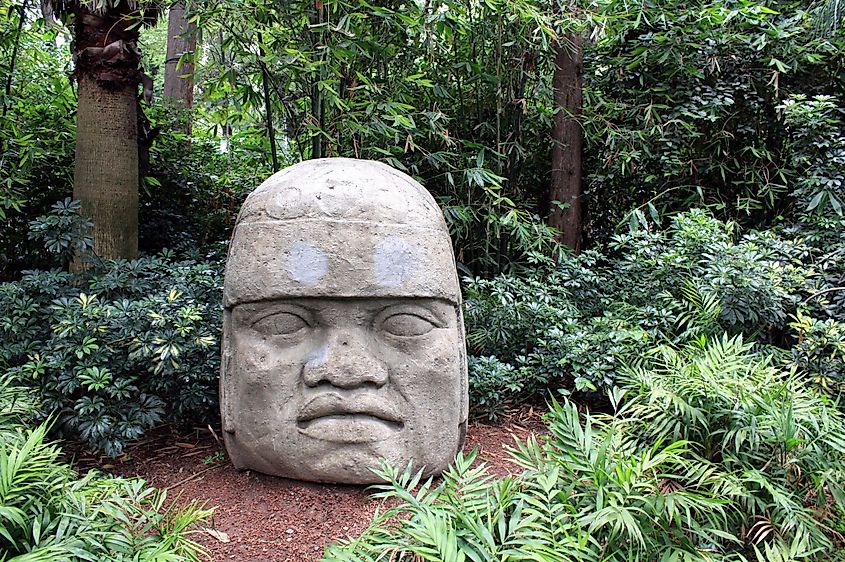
343 340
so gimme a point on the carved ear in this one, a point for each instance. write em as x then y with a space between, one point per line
462 352
464 373
227 382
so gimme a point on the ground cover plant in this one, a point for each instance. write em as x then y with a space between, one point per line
575 324
51 513
713 454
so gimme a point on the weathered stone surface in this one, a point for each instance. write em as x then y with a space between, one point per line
343 340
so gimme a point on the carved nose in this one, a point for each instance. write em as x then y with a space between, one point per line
346 362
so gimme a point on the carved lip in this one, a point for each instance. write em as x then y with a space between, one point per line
333 404
353 414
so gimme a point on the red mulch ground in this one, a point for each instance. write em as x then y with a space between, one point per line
273 519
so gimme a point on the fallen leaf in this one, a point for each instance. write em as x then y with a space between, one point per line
219 535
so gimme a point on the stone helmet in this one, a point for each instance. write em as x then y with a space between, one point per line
338 227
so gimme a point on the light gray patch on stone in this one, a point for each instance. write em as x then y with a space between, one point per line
317 357
307 264
394 260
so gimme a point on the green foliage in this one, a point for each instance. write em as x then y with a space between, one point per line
108 349
503 314
756 277
779 443
467 517
819 352
48 513
715 456
17 406
456 94
36 133
192 193
110 354
578 323
818 155
689 103
64 231
495 383
634 500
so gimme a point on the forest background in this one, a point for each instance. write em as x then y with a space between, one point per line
645 200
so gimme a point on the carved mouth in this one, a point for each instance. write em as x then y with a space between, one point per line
349 419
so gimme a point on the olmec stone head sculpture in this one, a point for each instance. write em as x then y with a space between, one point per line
343 339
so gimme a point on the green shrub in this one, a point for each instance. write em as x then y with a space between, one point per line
756 278
819 353
594 351
504 314
193 190
494 383
64 230
116 349
690 104
578 323
779 446
48 513
817 155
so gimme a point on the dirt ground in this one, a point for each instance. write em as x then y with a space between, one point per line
270 519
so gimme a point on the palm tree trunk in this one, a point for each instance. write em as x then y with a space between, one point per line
105 178
105 175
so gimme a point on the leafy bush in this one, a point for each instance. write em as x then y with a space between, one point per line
593 352
756 278
64 230
504 314
193 190
578 323
493 383
817 155
779 444
716 456
819 353
115 350
36 136
688 104
48 513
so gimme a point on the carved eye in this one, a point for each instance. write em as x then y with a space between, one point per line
280 324
405 324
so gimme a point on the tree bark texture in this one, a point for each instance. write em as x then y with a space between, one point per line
566 148
179 78
105 176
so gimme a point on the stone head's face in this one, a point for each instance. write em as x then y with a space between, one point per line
343 336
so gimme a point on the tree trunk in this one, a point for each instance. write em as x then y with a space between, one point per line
566 148
179 78
105 177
